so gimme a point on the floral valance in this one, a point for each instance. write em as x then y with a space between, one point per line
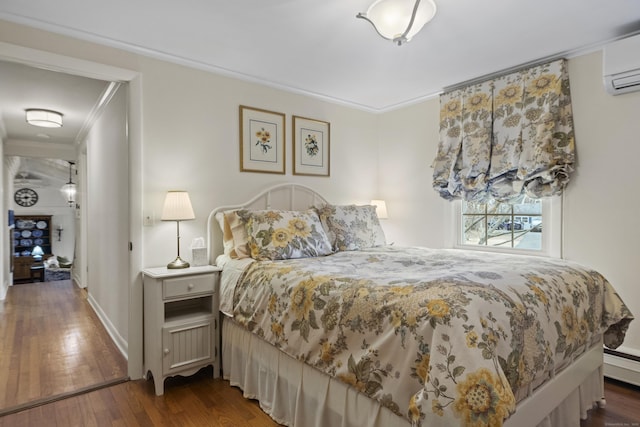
506 136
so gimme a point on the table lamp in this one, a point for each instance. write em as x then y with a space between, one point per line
381 208
37 253
177 207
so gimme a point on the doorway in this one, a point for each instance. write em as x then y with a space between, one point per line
105 158
42 227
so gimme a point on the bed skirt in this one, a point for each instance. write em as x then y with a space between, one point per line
297 395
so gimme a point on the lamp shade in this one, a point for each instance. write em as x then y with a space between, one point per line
177 206
381 208
43 118
69 193
37 252
392 18
69 189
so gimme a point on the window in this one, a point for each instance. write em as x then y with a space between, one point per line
515 226
528 225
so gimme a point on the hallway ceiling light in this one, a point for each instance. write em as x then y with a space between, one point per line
43 118
399 20
69 189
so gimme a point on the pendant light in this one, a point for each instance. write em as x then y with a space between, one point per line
69 189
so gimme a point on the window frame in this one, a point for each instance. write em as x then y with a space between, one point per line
551 230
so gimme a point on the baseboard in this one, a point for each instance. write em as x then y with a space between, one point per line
120 342
3 290
76 280
622 368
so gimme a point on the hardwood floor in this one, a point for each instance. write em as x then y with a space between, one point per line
622 409
52 342
202 401
194 401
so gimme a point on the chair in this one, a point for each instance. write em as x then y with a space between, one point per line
37 272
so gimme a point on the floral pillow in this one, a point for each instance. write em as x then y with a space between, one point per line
274 234
352 227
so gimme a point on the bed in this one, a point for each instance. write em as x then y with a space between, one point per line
361 333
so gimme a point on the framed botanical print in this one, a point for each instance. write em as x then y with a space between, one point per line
262 141
311 146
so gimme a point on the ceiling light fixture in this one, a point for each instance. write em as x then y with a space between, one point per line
399 20
43 118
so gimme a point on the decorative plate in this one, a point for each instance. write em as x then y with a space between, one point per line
25 223
26 242
26 253
38 242
26 233
17 234
36 233
15 243
41 225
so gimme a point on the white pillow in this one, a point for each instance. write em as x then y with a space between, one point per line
227 237
237 226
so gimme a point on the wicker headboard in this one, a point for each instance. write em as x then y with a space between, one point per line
282 196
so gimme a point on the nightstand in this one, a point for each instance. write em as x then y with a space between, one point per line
180 322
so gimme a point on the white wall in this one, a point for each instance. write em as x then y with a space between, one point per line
408 139
106 207
191 142
602 201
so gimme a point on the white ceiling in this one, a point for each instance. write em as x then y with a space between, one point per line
26 87
313 47
23 87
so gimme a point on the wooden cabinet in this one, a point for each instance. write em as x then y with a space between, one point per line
30 231
22 268
180 322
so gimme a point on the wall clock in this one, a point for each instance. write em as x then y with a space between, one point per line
25 197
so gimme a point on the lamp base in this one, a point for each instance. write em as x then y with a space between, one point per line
178 263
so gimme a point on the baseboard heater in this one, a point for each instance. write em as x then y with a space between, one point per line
622 366
622 355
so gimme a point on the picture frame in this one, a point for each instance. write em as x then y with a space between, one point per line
262 140
311 146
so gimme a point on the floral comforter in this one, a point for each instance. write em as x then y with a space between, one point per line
440 337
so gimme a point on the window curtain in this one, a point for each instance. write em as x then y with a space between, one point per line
507 136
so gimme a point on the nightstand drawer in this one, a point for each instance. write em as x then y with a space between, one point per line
190 285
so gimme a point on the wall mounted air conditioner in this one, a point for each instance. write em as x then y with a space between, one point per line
621 65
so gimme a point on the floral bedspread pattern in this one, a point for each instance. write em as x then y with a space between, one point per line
440 337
